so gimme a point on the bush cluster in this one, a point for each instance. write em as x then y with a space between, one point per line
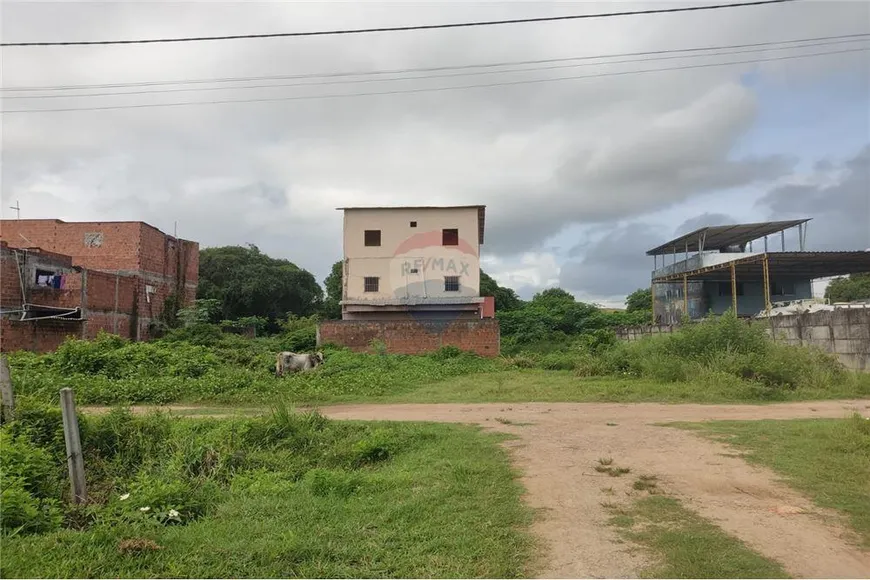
146 470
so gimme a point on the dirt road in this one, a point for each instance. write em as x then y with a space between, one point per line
558 450
559 445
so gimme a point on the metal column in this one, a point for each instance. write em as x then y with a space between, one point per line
734 288
766 270
685 295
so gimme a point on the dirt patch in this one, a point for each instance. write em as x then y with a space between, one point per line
559 446
562 444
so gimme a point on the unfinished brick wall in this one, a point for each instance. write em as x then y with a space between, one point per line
38 336
480 336
10 285
154 265
116 247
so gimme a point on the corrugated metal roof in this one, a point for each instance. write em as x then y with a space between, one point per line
811 265
481 212
718 237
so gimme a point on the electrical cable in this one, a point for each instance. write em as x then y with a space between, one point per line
424 77
400 28
429 89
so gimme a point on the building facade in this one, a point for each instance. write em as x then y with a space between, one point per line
422 262
411 281
76 278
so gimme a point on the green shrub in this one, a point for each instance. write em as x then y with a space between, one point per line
447 352
27 465
22 512
156 496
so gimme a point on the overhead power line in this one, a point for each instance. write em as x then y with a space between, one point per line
843 37
429 77
431 89
401 28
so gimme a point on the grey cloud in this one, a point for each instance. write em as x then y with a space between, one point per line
614 265
703 220
541 156
840 211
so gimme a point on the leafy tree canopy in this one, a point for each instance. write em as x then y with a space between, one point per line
855 287
333 285
246 282
505 298
640 299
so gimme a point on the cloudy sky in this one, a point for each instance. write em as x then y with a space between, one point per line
579 176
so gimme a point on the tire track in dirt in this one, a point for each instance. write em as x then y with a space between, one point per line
557 453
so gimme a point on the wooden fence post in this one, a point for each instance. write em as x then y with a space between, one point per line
72 438
8 400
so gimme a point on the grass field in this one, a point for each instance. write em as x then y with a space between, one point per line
281 496
685 545
828 459
529 385
719 361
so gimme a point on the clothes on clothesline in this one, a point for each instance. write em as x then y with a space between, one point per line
51 280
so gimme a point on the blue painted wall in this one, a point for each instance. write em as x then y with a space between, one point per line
752 300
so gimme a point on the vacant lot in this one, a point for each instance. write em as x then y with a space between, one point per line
282 496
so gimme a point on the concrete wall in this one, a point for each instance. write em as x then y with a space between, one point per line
412 337
843 332
405 249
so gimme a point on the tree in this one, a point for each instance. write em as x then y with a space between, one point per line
505 298
554 297
247 282
855 287
640 299
333 284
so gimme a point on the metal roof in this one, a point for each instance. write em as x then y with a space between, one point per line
791 264
481 212
718 237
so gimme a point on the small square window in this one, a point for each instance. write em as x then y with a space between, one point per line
450 237
451 283
373 237
371 283
413 224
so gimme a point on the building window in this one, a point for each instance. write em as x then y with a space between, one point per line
413 224
782 288
450 237
373 237
725 288
47 278
451 283
371 283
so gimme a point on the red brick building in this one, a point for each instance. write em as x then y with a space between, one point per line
62 279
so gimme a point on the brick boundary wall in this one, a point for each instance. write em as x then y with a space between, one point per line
480 336
844 332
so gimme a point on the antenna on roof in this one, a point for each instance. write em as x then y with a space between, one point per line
17 208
